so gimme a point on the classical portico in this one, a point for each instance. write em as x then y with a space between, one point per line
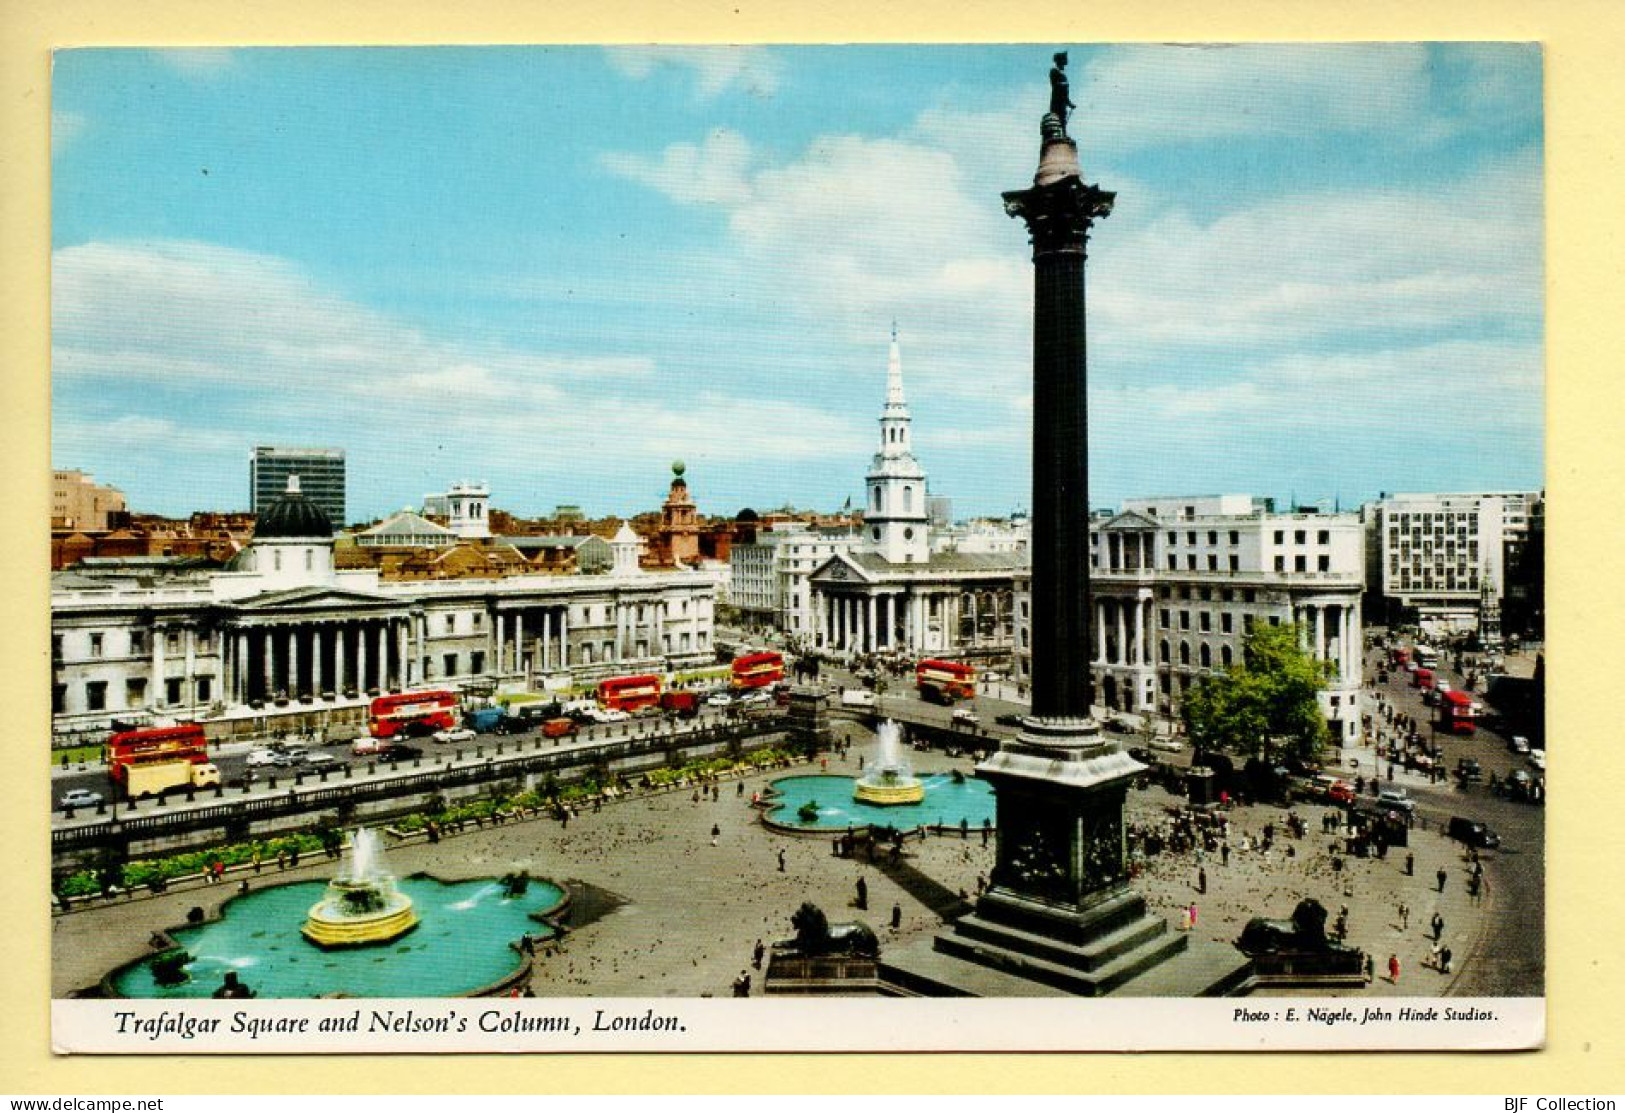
960 603
319 642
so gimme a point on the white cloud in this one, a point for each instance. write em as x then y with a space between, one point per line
716 69
714 172
65 128
198 61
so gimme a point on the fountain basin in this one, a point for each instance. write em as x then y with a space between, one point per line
946 803
359 914
886 794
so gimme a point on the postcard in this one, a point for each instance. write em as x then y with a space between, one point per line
798 548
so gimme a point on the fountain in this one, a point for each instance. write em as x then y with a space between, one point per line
890 780
362 906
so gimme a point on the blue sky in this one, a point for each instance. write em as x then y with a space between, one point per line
558 269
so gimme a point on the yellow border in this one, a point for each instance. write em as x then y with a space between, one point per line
1584 104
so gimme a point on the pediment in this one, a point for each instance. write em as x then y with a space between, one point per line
314 599
839 569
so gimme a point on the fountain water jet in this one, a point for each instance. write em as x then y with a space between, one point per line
362 906
891 779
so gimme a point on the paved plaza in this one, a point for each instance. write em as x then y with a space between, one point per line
679 917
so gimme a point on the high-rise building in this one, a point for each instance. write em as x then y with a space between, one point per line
78 503
320 472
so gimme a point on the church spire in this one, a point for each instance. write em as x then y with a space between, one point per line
894 375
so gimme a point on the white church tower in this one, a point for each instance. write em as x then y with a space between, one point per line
895 515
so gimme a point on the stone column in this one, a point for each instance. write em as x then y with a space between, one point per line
158 635
239 666
1100 630
341 633
1122 631
189 675
1139 632
564 636
402 650
871 637
419 661
361 658
1320 631
293 662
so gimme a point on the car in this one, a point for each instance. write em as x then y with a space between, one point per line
319 761
1537 759
964 716
1471 832
400 751
756 698
455 734
1167 745
718 699
608 715
1518 744
1008 719
1468 769
259 758
80 798
1396 799
367 744
559 728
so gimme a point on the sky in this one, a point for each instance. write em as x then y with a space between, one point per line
557 270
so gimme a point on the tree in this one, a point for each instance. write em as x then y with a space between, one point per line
1266 707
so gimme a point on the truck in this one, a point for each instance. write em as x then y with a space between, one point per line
145 762
487 720
685 704
857 697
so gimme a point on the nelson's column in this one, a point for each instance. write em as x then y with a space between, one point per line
1059 914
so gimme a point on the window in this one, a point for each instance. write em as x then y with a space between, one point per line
276 560
1184 653
1275 620
135 691
1207 656
1206 595
1173 538
1249 596
1190 562
1280 537
1235 563
172 691
451 664
173 643
476 661
1167 619
908 499
96 650
1324 537
59 698
1212 537
205 688
479 622
875 533
1173 563
138 641
56 647
1212 562
1325 562
1190 537
308 555
96 695
1225 656
1207 621
1299 536
1184 620
451 624
1164 651
1235 537
1227 624
1300 563
1280 563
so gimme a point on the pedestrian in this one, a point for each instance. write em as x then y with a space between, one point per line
1438 926
896 916
1410 865
1444 961
716 833
1184 919
1370 968
863 894
1404 916
1441 875
781 859
1201 880
740 790
1193 915
1393 968
1224 853
756 954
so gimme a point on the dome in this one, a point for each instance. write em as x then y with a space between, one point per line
292 515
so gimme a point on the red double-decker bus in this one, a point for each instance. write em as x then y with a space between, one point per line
944 681
1455 712
411 713
758 670
151 759
629 693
